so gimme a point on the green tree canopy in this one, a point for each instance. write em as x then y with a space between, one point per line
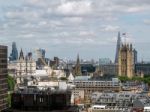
124 78
11 83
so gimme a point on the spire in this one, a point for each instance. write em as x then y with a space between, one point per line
77 66
118 47
21 55
78 60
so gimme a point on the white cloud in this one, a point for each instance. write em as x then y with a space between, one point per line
73 22
23 15
147 21
110 28
26 36
28 25
75 8
42 23
87 33
73 19
137 9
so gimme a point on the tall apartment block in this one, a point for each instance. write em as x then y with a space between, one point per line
3 77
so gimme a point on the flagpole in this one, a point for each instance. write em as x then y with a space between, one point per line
125 38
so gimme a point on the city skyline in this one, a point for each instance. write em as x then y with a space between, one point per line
68 27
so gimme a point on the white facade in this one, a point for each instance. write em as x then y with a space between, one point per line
24 67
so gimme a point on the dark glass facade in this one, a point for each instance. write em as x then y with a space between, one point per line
14 53
3 77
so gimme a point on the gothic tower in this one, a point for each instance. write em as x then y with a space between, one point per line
125 61
78 67
118 47
21 56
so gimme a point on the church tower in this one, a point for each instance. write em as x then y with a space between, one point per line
77 70
125 60
21 56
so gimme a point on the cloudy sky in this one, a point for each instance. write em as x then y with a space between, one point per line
67 27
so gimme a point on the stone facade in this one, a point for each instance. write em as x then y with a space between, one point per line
77 69
25 66
125 61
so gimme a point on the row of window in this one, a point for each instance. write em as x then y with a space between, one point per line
3 66
4 80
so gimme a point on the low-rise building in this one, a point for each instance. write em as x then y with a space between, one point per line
42 97
86 84
120 102
110 68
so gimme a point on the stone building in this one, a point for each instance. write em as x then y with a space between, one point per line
77 69
125 61
25 66
89 85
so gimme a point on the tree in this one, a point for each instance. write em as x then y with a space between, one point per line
124 78
11 83
11 86
63 78
136 78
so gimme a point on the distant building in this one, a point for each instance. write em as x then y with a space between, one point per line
25 66
87 69
110 69
14 53
104 61
141 104
135 56
77 69
143 68
3 78
89 85
118 47
54 63
120 102
125 61
41 59
40 53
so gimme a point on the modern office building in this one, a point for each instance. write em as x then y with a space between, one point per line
110 69
14 53
41 59
87 68
54 63
40 53
118 47
3 77
143 68
103 61
135 57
